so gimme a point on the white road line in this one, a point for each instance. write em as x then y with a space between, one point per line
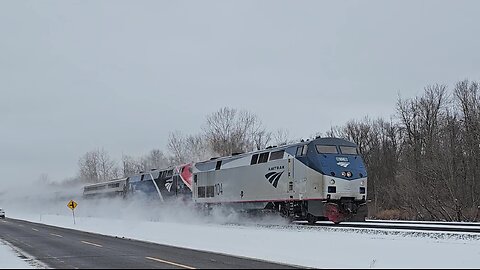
171 263
57 235
93 244
35 229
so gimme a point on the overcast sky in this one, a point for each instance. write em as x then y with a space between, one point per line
81 75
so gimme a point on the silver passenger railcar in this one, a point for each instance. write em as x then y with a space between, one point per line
113 188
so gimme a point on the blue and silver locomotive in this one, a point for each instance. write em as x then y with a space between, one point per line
321 179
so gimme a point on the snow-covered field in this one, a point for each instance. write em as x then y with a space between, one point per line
231 234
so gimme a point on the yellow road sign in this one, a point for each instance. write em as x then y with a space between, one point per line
72 204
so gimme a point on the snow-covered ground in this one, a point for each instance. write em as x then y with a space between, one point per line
10 259
232 234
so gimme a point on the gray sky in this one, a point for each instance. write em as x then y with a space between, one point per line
78 75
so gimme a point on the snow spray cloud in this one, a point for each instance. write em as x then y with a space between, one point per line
40 198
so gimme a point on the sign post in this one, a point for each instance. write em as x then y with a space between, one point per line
72 205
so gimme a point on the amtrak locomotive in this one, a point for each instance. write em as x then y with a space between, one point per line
321 179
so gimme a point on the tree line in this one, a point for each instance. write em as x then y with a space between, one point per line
422 162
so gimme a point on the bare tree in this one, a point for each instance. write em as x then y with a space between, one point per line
130 165
155 159
281 136
88 164
229 131
97 166
197 148
261 139
177 147
468 101
221 132
107 168
189 148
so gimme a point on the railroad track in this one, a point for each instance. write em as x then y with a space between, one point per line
458 227
446 223
472 228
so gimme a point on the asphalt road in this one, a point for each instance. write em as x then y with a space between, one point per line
65 248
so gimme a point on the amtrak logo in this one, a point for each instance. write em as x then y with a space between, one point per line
342 161
168 184
273 177
343 164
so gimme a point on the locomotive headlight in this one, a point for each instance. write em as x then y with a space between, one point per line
332 182
344 174
349 174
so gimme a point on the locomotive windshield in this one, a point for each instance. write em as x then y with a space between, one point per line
348 150
326 149
332 149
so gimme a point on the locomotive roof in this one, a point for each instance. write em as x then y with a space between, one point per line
326 141
335 141
107 182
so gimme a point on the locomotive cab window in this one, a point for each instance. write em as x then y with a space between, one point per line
201 192
254 159
348 150
263 157
299 151
219 164
210 191
326 149
277 155
146 177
